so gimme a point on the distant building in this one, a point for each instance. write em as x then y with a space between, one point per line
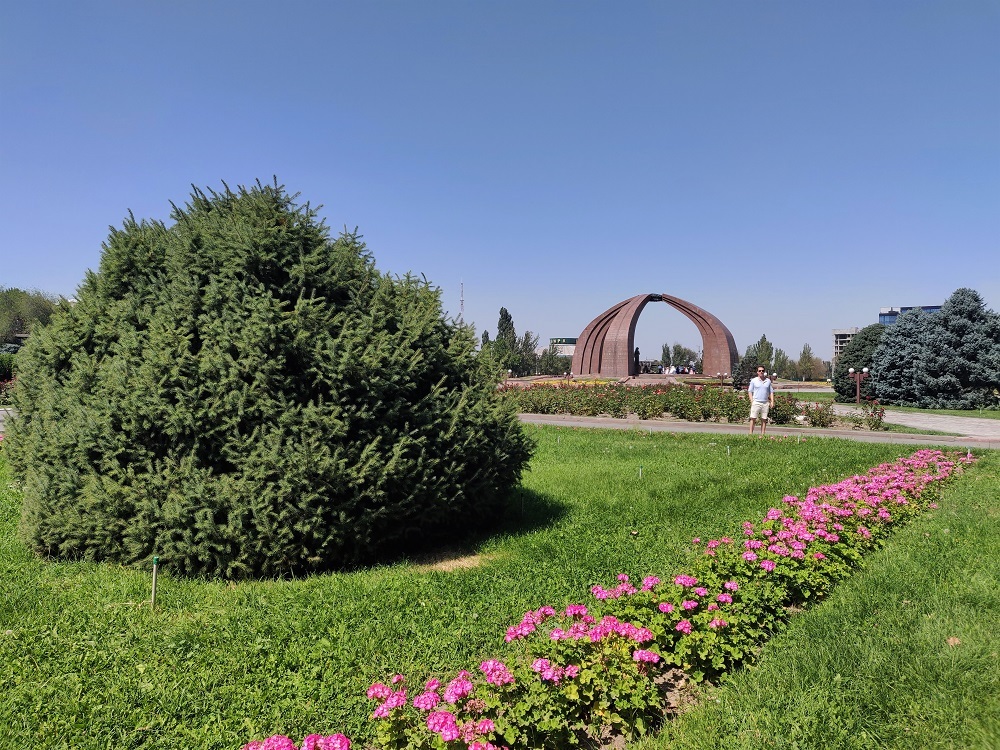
887 315
563 346
841 338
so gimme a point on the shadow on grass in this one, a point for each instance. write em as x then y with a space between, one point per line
523 512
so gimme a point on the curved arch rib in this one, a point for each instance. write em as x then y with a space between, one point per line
606 344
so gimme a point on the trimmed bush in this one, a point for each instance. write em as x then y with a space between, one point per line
243 396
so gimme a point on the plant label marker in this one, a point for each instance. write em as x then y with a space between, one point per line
727 450
152 599
640 471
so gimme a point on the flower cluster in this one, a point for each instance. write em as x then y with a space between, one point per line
705 621
310 742
553 673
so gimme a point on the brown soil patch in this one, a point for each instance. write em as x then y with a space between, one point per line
448 561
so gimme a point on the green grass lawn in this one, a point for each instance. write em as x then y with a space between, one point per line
86 664
823 396
984 413
902 655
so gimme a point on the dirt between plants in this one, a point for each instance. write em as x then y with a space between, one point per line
448 561
679 695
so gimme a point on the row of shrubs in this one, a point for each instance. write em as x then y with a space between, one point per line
695 403
585 674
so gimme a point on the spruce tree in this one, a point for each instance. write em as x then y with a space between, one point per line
959 353
899 359
859 354
242 395
746 368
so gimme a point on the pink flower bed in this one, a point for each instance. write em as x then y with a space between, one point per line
576 671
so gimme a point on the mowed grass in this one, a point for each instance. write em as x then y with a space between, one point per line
828 396
905 654
85 663
984 413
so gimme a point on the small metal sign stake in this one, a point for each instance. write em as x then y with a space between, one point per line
152 601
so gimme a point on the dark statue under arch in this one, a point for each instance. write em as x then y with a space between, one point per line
605 346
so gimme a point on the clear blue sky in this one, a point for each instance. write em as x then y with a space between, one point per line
789 166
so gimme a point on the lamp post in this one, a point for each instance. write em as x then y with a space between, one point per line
857 377
722 377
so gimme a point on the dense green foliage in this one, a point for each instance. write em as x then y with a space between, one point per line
679 356
88 665
21 311
242 396
949 359
508 354
6 366
785 366
553 363
808 366
857 354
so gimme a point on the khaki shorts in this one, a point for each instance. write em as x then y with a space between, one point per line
758 409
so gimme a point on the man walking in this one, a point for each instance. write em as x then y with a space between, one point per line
761 399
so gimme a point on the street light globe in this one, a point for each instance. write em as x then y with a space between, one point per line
850 370
864 369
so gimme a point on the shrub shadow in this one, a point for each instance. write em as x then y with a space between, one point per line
522 512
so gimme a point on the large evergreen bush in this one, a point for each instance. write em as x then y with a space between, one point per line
944 360
242 395
857 354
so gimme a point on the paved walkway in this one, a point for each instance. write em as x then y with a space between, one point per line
966 437
971 432
979 427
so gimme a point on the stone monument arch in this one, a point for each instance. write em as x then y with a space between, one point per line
605 346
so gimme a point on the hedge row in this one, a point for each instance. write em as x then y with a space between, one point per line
695 403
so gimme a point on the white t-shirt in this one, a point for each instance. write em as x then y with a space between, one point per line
760 390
